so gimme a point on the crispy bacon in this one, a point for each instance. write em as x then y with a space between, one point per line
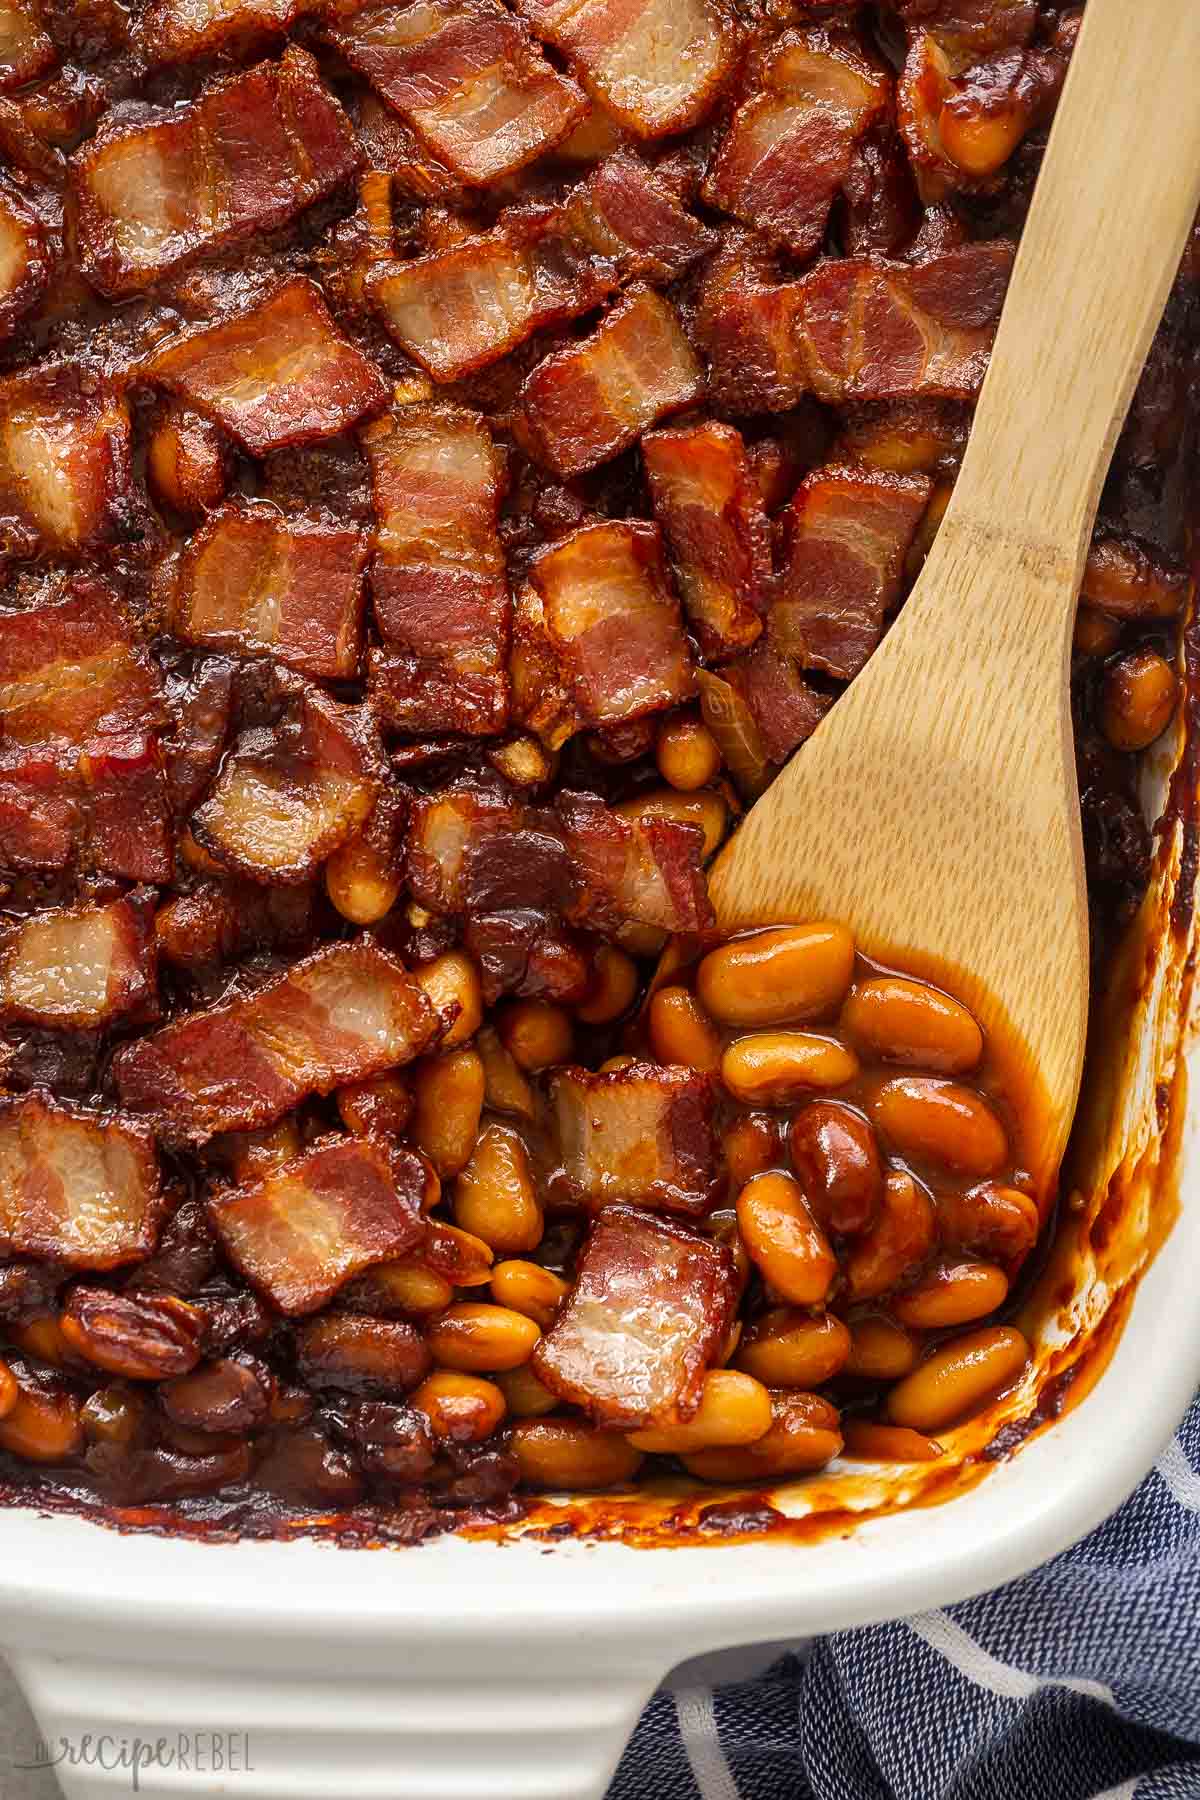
200 704
905 436
586 403
438 576
306 1228
179 30
290 792
66 480
214 924
74 670
25 261
255 580
649 1310
467 77
25 50
710 507
646 871
249 155
848 530
788 150
103 806
79 967
346 1012
642 1133
881 211
627 214
458 310
657 65
759 708
747 325
80 1188
1125 579
541 701
614 621
278 374
972 28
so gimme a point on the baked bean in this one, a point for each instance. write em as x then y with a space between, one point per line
9 1390
734 1409
382 1104
641 940
365 875
900 1239
687 753
952 1293
448 1096
187 461
536 1033
705 808
459 1255
42 1425
788 1348
222 1395
784 1240
507 1088
378 1358
1141 692
116 1415
880 1350
958 1378
495 1198
252 1154
566 1454
452 983
1095 633
991 1218
870 1442
789 975
43 1338
144 1337
475 1335
804 1435
612 1063
679 1031
528 1288
773 1067
614 987
910 1022
836 1158
404 1286
931 1119
526 1396
461 1409
980 139
749 1145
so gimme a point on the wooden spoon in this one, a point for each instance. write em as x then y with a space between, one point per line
935 809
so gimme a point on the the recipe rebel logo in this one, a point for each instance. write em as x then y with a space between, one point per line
223 1753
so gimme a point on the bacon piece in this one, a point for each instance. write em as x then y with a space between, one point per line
905 436
611 615
961 129
584 404
25 50
628 215
438 576
881 210
972 28
873 329
25 261
289 793
848 531
248 156
348 1011
180 30
658 65
73 670
277 375
254 580
649 1311
642 1133
200 704
77 968
541 701
460 309
79 1188
103 806
641 871
710 507
785 708
788 150
467 77
306 1228
747 325
212 924
1128 581
66 480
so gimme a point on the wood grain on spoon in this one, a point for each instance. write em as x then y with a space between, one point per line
936 809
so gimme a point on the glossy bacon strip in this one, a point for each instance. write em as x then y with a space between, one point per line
658 65
788 150
748 327
460 309
438 575
306 1228
642 1133
585 404
759 708
640 871
249 155
25 261
66 479
102 806
25 50
627 215
79 967
467 77
279 374
612 617
1125 579
79 1188
74 670
711 511
254 580
649 1310
541 698
180 30
348 1011
848 530
291 792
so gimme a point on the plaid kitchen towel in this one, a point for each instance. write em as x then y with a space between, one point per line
1081 1681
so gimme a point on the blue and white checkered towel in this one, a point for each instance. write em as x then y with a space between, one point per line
1079 1682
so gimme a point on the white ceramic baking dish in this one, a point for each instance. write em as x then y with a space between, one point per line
517 1668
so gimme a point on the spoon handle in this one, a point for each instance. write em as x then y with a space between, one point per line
1117 194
